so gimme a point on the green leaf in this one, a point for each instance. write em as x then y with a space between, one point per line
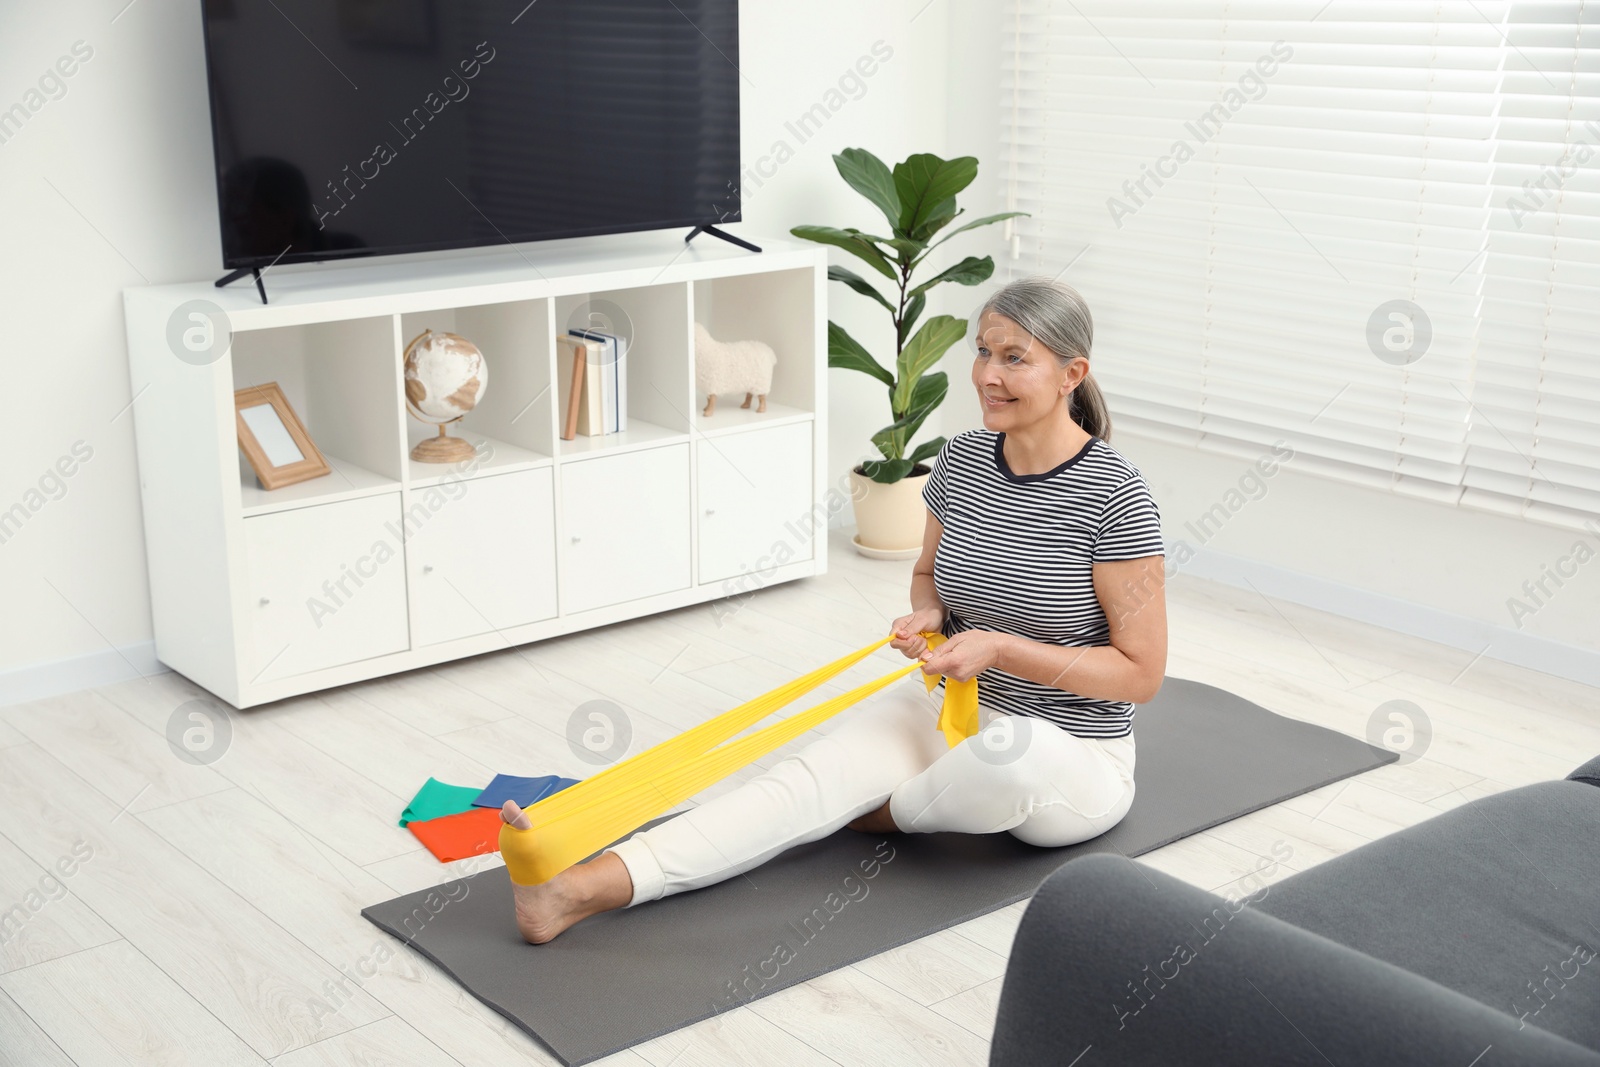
975 223
868 176
885 441
924 181
852 243
940 215
920 353
926 450
908 249
891 441
859 284
845 352
889 445
887 471
914 308
970 271
930 392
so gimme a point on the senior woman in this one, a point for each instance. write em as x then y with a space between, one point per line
1042 565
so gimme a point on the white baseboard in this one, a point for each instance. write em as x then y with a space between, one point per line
22 684
1403 616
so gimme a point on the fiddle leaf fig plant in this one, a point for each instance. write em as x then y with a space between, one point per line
918 200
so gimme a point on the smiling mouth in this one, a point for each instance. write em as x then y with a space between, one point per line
995 403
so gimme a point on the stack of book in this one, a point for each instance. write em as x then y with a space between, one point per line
592 365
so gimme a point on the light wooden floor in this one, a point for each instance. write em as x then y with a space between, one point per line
220 904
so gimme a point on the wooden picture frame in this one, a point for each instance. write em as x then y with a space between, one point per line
274 439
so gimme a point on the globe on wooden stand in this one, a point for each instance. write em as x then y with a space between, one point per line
445 375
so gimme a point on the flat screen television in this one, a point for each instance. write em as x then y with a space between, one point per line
349 128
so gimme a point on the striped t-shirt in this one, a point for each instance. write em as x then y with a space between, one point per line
1017 556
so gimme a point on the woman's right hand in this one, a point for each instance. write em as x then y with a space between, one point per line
908 630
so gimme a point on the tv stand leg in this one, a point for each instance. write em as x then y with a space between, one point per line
713 231
233 276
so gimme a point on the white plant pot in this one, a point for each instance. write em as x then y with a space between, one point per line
890 519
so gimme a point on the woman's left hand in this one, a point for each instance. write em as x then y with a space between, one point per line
964 656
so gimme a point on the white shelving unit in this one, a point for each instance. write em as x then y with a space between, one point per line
387 564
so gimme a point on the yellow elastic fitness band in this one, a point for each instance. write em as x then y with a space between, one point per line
586 817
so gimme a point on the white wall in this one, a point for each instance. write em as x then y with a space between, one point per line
795 54
111 186
1351 549
107 186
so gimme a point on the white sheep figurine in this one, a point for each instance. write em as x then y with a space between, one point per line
732 367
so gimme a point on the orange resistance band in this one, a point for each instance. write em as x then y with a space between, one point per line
583 818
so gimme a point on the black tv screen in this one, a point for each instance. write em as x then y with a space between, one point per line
365 127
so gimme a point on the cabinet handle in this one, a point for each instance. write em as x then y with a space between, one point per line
427 568
265 601
710 511
575 540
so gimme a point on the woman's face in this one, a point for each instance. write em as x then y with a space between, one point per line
1019 381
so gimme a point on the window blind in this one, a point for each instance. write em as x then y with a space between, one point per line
1289 224
1534 443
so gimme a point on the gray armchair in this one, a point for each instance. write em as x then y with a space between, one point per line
1469 939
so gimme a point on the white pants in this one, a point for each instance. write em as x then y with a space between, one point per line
1021 774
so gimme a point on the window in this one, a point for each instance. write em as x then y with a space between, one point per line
1371 230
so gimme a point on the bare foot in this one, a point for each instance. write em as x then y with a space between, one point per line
875 822
544 910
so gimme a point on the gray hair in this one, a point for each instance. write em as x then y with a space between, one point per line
1056 315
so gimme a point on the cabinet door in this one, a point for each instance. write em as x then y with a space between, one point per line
482 554
625 526
326 585
755 497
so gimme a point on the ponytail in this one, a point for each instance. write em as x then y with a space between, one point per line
1088 408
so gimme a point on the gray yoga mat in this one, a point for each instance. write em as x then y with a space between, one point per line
1204 756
